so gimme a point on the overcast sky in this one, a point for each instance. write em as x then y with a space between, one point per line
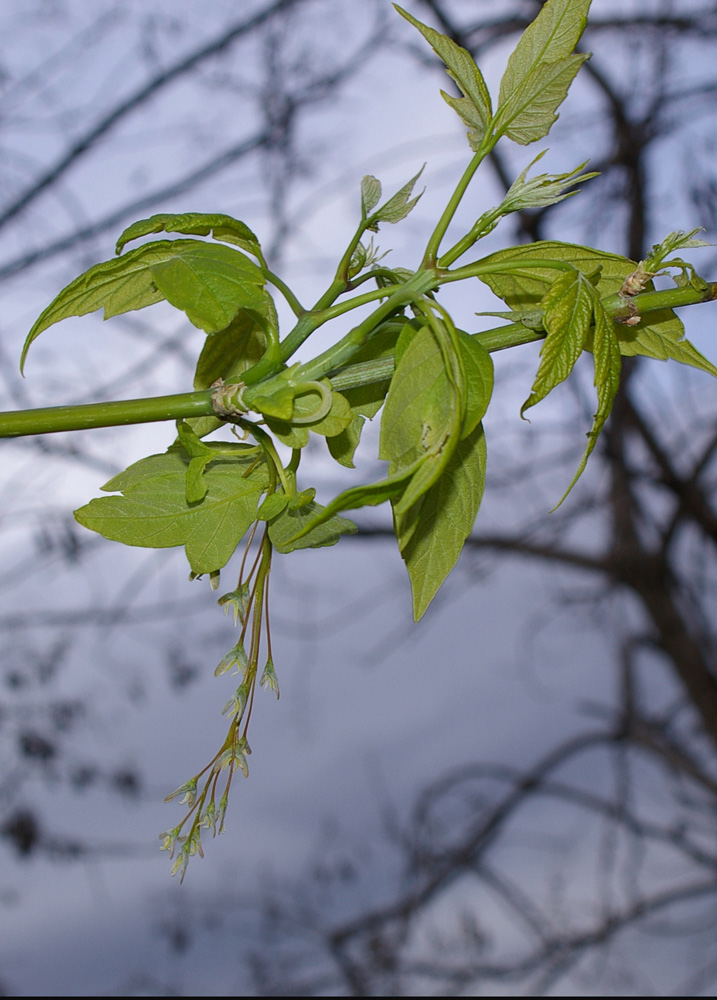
372 706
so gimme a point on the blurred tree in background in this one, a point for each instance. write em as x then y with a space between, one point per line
111 113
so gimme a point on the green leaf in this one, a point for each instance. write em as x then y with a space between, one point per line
540 70
288 531
154 511
606 353
272 505
361 496
474 108
343 446
399 205
196 485
431 535
478 366
658 335
370 194
567 314
221 227
542 190
292 437
522 290
231 351
424 409
420 403
209 282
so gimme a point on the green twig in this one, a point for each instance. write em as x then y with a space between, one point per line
197 404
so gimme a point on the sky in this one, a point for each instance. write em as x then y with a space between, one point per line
372 706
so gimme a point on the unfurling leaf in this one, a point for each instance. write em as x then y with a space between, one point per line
543 190
398 205
474 108
540 71
606 354
567 315
370 194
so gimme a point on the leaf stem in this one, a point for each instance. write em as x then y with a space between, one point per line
431 253
277 282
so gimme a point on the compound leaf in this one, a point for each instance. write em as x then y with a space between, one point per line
567 315
210 282
154 511
474 108
658 335
540 70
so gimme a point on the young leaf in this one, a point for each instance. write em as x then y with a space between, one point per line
154 511
657 262
567 314
228 353
370 194
522 289
221 227
360 496
540 71
474 108
673 242
658 335
431 540
478 367
543 190
209 282
272 505
398 206
287 531
343 446
606 353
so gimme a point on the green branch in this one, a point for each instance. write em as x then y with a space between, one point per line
84 416
50 420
